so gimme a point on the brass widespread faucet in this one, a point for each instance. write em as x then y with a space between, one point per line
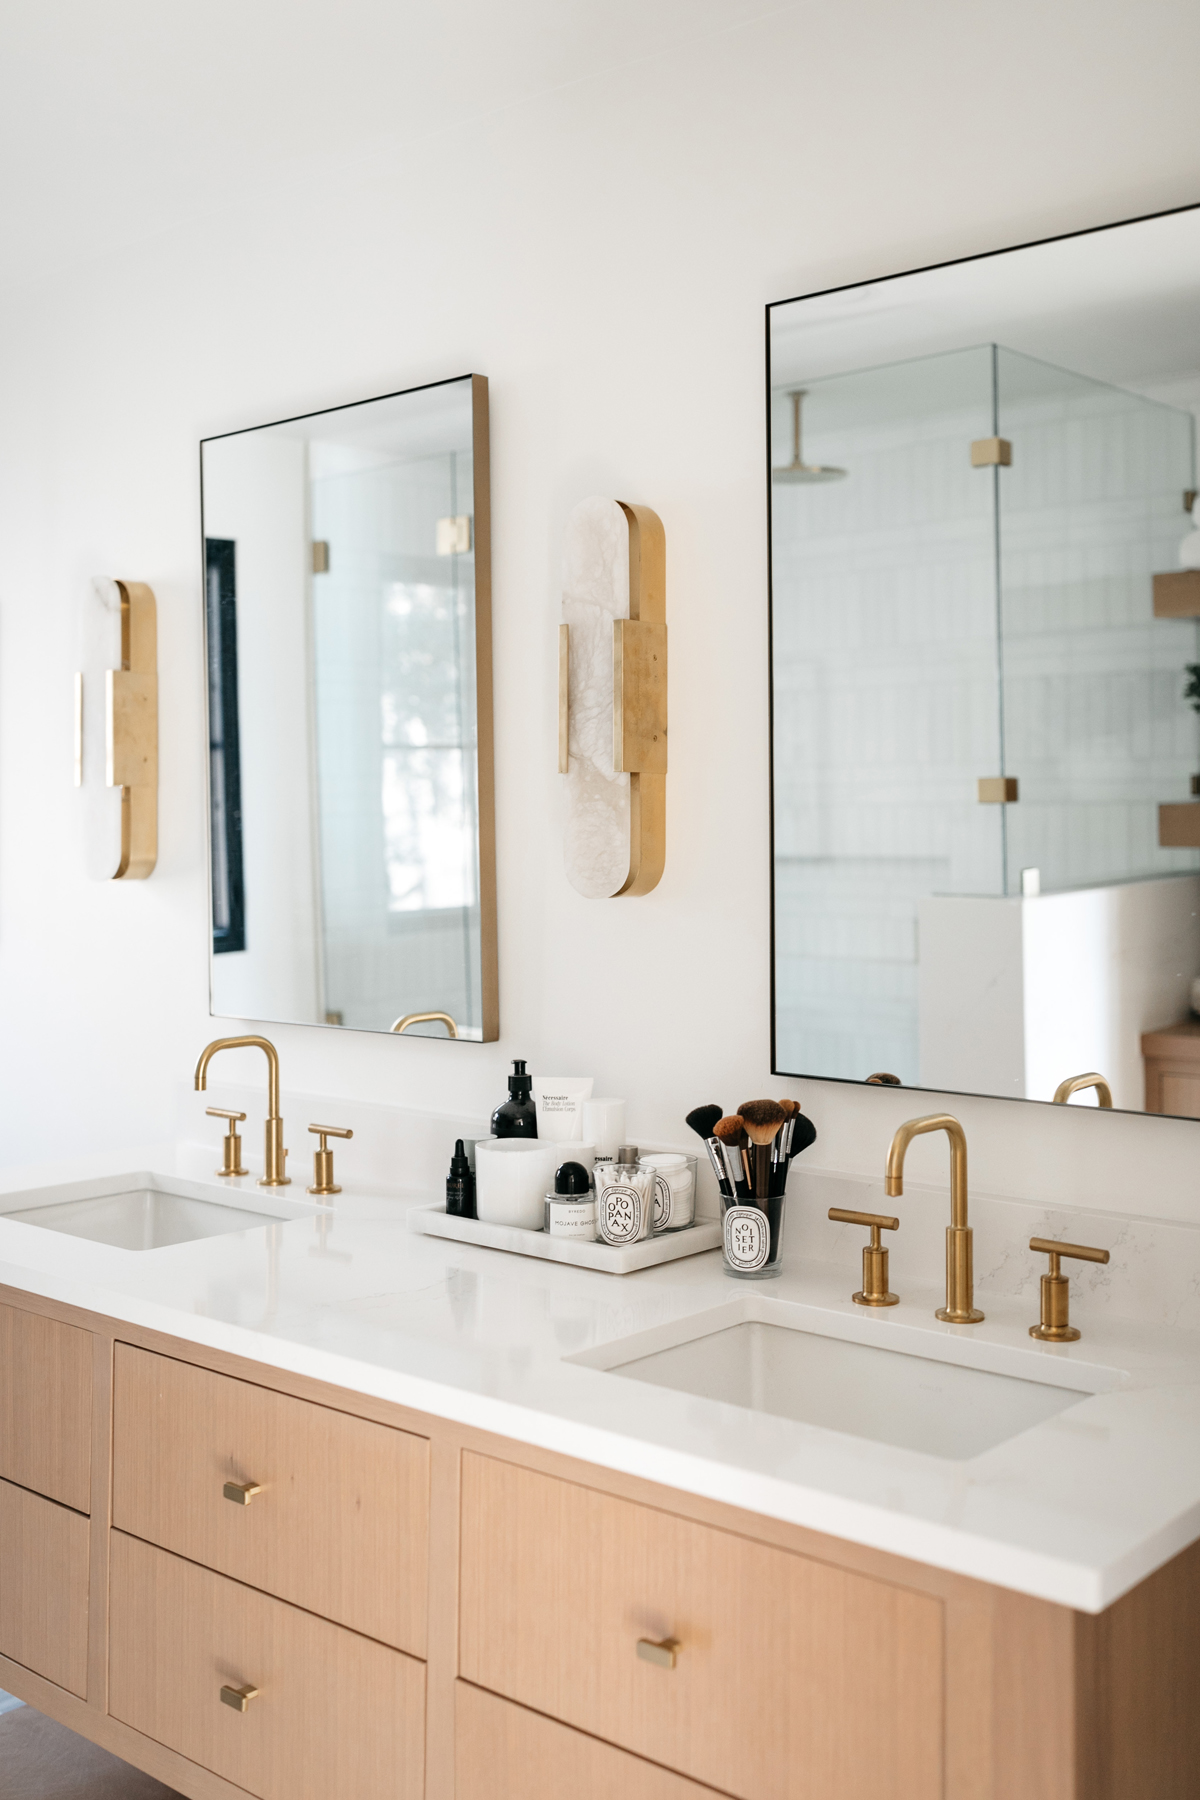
960 1308
1077 1084
275 1156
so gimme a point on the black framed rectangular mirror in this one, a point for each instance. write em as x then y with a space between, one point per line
347 566
985 673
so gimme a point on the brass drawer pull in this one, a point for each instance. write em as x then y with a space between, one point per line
241 1493
661 1655
238 1698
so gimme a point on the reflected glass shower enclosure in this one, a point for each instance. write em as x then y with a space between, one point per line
971 603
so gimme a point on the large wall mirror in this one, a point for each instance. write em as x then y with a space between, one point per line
348 632
986 673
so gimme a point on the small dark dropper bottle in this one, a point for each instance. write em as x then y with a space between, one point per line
517 1118
460 1185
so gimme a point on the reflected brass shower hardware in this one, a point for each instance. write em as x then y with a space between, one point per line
1078 1083
997 790
454 536
239 1698
882 1079
320 556
798 470
323 1182
1179 823
275 1156
960 1308
991 453
874 1290
232 1163
662 1653
1177 594
1055 1326
639 701
427 1018
241 1492
128 851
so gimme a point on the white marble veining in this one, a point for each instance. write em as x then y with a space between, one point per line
595 592
1076 1509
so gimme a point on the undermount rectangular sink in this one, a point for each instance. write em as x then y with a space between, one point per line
144 1212
924 1391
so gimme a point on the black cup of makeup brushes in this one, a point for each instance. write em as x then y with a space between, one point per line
753 1212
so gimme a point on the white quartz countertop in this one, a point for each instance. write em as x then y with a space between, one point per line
1077 1509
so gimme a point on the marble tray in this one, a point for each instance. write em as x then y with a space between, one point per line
435 1221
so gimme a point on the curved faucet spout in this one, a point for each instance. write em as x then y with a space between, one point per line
960 1308
274 1155
1076 1084
958 1159
245 1043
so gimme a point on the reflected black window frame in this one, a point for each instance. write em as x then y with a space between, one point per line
224 753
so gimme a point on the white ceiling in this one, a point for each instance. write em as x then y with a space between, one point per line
123 119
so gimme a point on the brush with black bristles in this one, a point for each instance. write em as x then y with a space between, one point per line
763 1119
702 1119
730 1133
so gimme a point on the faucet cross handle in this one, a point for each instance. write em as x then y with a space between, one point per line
232 1162
1055 1325
874 1291
323 1182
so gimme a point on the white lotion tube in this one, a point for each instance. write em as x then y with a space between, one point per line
559 1101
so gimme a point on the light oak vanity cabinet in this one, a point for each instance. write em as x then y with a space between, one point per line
248 1582
45 1495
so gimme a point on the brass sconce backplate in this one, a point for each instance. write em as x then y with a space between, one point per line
124 700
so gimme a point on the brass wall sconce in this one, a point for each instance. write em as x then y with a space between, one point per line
116 730
612 698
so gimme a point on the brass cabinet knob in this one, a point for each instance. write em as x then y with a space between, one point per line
323 1182
1055 1326
241 1492
661 1653
232 1161
238 1698
874 1290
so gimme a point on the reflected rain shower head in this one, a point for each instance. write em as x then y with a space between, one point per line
798 469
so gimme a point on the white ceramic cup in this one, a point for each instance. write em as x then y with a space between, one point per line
512 1178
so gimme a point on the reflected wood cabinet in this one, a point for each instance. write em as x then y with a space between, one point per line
280 1588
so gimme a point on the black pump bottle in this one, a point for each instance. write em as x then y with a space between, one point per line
518 1116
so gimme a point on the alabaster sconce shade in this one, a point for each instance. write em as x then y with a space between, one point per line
612 698
116 730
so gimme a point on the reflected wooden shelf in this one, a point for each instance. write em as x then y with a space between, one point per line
1172 1058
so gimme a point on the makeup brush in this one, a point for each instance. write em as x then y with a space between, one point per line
762 1119
730 1133
782 1147
703 1118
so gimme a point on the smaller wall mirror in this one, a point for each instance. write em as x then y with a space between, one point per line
348 634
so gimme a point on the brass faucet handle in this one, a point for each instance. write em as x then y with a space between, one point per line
323 1182
1055 1325
232 1161
874 1290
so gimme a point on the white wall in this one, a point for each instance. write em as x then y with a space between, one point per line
591 206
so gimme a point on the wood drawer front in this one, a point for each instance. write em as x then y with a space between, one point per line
341 1526
793 1676
503 1752
46 1406
44 1587
336 1714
